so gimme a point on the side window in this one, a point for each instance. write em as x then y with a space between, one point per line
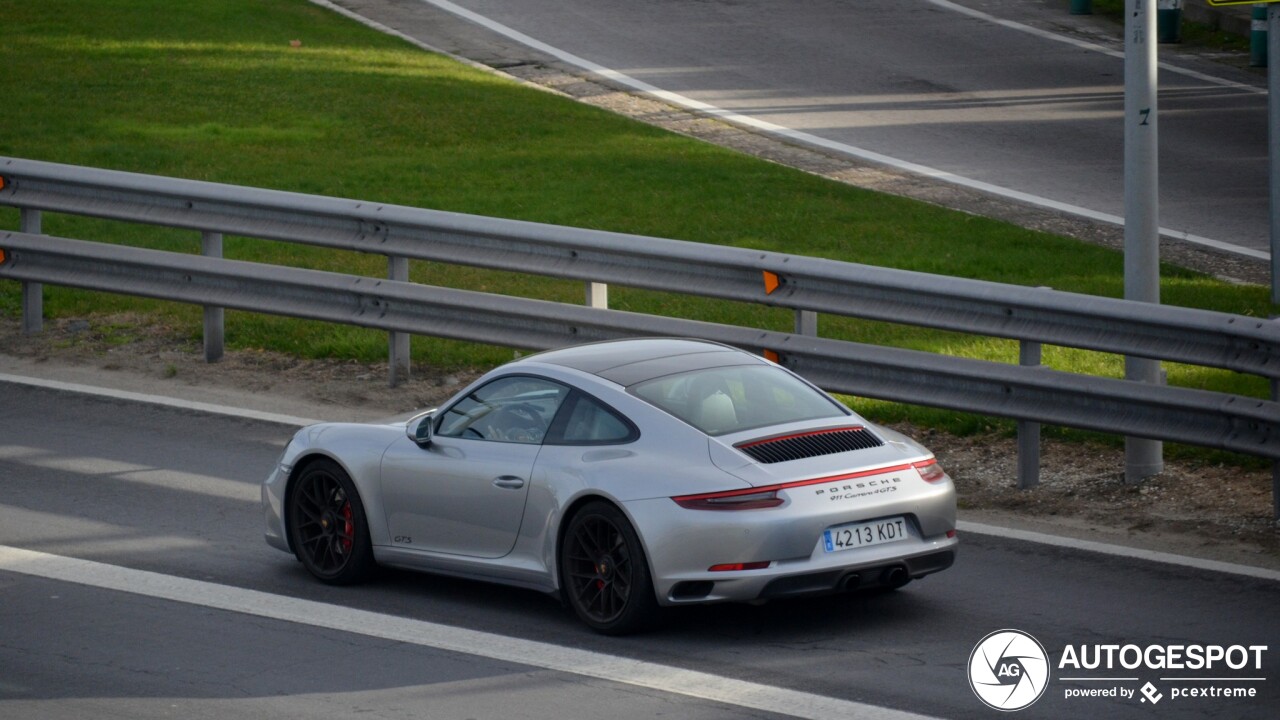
516 408
590 423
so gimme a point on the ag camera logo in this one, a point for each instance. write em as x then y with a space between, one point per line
1008 670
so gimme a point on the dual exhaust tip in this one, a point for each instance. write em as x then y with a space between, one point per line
892 577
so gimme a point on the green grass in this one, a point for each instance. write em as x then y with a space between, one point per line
215 91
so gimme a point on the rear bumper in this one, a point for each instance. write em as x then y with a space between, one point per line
689 551
772 584
855 579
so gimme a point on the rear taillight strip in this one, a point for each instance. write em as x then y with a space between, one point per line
692 499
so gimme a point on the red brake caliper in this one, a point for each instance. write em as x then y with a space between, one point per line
348 527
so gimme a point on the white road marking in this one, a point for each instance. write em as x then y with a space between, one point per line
158 400
1118 550
52 532
833 145
1094 47
663 678
92 469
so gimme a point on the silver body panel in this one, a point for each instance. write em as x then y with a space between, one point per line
441 509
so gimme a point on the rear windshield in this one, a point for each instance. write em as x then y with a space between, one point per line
719 401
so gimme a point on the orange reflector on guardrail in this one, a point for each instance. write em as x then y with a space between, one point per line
1 182
771 282
3 256
772 356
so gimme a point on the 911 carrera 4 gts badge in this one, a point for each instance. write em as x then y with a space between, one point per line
849 491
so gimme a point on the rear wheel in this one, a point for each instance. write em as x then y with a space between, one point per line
327 525
604 574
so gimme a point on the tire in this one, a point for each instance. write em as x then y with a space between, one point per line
327 525
603 572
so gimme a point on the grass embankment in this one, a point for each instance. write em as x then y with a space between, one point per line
218 91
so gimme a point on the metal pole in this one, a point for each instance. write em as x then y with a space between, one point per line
807 323
1028 432
1143 458
398 342
1275 464
214 328
1273 152
1273 124
32 292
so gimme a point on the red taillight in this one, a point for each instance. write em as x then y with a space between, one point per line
767 497
930 470
733 567
951 534
732 500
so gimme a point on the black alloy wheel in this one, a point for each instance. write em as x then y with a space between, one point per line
604 575
327 525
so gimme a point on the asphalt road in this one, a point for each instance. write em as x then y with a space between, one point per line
174 492
922 83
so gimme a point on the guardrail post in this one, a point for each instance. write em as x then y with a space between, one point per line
597 295
398 342
807 323
214 327
1144 457
32 292
1029 355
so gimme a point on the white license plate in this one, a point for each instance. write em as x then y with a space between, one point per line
876 532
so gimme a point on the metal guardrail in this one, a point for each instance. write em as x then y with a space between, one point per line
808 285
1161 332
1110 405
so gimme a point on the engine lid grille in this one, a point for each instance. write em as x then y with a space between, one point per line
810 444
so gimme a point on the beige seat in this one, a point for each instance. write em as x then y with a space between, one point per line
716 413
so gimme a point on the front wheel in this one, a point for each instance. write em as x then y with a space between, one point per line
604 575
327 525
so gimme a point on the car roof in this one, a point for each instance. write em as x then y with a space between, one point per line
627 362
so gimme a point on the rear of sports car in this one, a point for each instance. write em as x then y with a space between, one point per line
820 508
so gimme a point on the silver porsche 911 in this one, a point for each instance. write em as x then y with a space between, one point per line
624 476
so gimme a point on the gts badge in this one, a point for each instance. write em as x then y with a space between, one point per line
403 540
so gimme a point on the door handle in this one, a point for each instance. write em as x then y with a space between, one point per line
509 482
